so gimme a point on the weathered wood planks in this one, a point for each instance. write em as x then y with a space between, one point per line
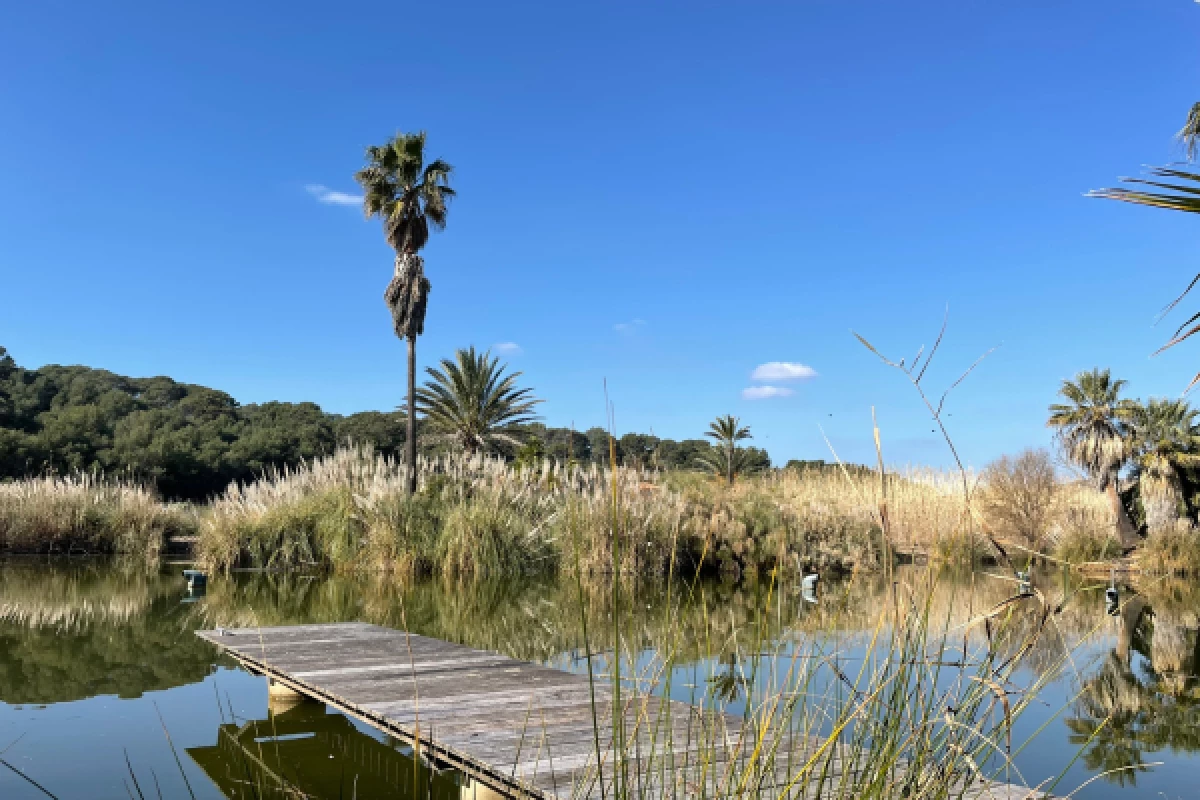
522 728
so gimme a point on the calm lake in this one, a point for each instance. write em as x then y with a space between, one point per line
98 663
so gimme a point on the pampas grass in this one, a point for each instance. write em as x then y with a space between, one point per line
86 513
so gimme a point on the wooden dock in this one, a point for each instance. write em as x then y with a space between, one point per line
518 728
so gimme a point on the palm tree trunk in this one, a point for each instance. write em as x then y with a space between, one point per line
1125 530
410 443
1131 614
1161 503
729 465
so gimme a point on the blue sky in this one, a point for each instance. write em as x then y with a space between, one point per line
665 196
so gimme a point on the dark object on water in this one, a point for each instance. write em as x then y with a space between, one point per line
195 579
1112 601
808 588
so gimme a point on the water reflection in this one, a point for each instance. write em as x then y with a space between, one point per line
1145 696
74 630
303 751
69 631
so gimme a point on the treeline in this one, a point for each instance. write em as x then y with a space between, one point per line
191 441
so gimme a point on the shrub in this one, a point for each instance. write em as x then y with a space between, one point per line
1171 549
1019 498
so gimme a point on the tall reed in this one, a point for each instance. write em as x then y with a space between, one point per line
85 513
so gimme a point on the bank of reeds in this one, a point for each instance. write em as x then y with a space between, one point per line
476 515
86 514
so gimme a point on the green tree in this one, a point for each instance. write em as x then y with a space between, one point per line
598 441
471 402
1093 429
1166 443
727 458
638 449
410 197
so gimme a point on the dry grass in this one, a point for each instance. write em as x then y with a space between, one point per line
86 514
471 515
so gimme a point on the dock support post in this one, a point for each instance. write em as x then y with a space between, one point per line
281 698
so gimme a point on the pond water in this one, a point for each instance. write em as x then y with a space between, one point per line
102 681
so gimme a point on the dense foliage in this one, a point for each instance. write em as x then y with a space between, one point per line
192 441
189 440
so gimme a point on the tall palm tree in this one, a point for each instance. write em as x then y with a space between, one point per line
410 197
1182 193
1166 442
472 402
1093 429
728 459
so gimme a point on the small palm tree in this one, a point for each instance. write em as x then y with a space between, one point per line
727 458
1165 442
1093 429
410 197
471 402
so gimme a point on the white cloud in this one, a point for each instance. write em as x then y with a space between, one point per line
765 392
782 371
331 198
629 328
507 349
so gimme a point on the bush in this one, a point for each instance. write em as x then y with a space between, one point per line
1019 498
1171 550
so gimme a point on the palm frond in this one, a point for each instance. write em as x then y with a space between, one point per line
1189 134
472 400
408 195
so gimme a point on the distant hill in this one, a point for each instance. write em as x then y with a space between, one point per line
191 441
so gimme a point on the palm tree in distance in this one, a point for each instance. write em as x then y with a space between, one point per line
1093 429
410 197
1166 442
471 402
727 459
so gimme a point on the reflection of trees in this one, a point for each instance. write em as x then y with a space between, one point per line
68 632
304 752
728 684
1150 703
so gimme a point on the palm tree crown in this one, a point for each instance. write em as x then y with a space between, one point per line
472 402
405 192
1165 443
1093 425
1093 429
727 459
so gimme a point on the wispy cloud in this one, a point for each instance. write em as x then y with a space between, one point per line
765 392
782 371
331 198
629 328
507 349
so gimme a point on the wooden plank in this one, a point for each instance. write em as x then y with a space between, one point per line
520 727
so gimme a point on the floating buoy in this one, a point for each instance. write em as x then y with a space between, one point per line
1024 585
808 587
195 579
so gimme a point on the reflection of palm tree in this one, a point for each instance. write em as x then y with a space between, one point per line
728 684
1142 710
